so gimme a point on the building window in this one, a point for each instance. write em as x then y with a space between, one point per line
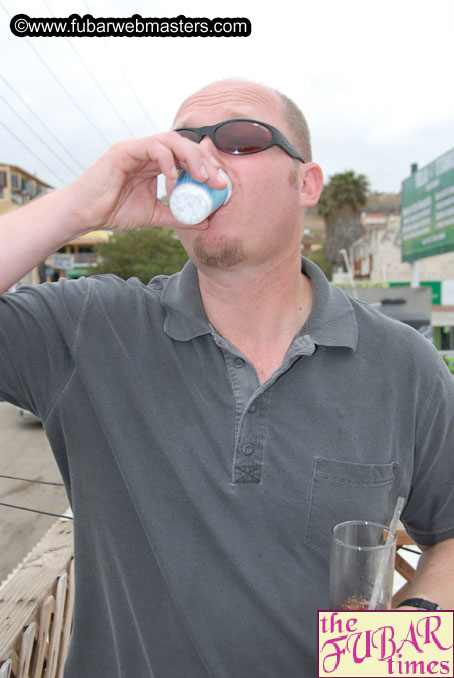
14 181
3 179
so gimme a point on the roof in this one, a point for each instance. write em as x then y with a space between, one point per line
16 168
92 237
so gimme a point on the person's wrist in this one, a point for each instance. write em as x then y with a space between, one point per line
64 202
417 603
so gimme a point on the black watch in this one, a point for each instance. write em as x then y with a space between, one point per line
421 603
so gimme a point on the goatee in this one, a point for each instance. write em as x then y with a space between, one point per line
222 253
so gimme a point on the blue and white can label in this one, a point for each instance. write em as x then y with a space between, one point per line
193 201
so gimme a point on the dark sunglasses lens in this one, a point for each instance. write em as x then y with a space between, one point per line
188 134
242 137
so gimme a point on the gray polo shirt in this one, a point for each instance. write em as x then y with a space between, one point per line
203 502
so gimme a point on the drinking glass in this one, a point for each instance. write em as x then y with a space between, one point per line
361 555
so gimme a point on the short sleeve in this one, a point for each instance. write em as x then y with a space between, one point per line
429 513
38 329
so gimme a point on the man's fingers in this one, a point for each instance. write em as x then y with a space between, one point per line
166 162
128 175
167 153
189 156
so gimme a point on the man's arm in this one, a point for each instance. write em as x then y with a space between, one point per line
29 234
118 192
434 577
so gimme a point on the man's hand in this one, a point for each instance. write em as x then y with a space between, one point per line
119 192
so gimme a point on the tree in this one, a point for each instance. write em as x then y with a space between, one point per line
142 253
340 204
319 258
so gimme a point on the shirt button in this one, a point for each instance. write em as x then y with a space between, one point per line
248 448
252 409
238 362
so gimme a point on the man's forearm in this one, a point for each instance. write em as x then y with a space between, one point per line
434 578
118 192
30 233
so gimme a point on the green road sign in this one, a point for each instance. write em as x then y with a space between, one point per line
428 210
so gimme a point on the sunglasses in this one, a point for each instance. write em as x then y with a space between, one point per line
241 137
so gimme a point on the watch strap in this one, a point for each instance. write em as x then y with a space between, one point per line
421 603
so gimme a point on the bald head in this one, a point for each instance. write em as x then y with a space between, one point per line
279 103
296 122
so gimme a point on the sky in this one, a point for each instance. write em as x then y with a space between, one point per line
373 78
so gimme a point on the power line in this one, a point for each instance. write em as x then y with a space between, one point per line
36 134
68 94
33 154
94 79
46 513
125 77
25 508
28 480
41 122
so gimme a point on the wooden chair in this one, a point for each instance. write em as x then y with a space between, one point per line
402 567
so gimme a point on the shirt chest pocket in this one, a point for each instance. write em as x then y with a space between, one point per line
346 491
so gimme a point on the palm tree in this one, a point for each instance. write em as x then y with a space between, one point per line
340 204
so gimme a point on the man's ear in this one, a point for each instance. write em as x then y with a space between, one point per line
311 184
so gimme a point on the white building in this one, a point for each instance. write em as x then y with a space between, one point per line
376 258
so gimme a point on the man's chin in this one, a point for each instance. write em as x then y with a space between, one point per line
218 253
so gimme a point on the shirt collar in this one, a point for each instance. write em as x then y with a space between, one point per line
332 321
185 316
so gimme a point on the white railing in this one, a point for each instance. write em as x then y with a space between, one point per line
36 608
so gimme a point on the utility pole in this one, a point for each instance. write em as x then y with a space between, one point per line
344 253
414 264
